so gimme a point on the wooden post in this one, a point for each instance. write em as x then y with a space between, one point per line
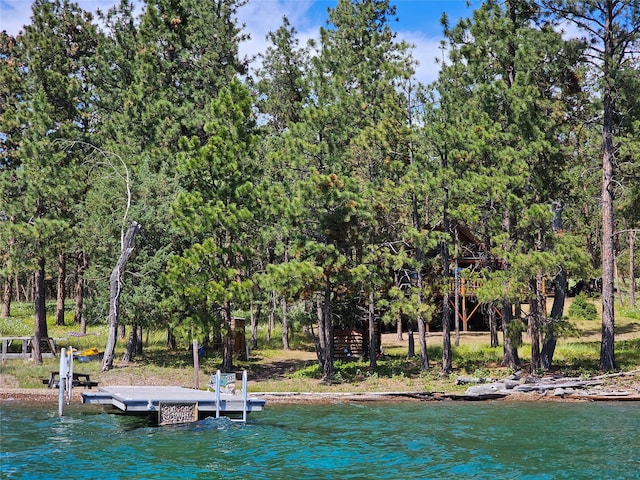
465 319
196 364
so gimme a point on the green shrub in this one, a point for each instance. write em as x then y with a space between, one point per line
631 313
582 309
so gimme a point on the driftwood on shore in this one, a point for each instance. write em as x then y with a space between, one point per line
556 386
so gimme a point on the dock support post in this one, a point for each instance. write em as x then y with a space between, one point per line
244 396
63 380
217 393
69 384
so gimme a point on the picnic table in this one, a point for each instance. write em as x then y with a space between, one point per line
79 380
22 347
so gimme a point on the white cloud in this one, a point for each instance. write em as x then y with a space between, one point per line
264 16
260 18
14 14
426 50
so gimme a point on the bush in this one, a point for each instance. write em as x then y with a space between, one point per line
582 309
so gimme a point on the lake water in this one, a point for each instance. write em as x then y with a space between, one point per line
410 440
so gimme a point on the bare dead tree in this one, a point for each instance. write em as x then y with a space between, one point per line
115 288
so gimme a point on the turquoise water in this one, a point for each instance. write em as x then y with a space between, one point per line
484 440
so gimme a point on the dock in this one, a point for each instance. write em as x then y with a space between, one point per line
173 405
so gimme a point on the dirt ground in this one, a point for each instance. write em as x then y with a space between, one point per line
270 379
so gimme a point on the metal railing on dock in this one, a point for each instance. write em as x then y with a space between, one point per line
227 381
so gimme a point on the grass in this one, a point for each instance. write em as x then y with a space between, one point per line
270 368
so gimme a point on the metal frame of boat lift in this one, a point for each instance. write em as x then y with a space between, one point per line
220 380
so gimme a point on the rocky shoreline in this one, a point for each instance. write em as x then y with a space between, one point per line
575 392
621 386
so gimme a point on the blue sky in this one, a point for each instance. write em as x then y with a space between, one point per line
418 22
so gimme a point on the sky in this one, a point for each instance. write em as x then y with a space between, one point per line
419 22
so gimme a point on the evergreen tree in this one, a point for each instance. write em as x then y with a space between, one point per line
507 82
282 94
348 123
157 74
219 204
54 107
12 83
612 29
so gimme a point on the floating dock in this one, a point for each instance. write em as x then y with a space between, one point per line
173 404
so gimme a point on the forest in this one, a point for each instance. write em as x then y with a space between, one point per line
155 179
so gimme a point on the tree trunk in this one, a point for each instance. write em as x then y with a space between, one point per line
510 345
619 281
272 314
373 341
285 325
550 340
227 350
632 269
319 341
607 346
6 297
131 345
422 330
254 327
411 348
446 306
399 319
456 302
122 331
325 335
139 344
446 336
171 339
493 325
510 357
115 288
62 272
40 328
535 321
79 314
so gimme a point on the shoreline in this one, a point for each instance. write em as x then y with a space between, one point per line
42 396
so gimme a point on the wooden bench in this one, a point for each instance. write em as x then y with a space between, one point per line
79 380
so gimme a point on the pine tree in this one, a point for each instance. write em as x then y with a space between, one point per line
53 108
507 87
612 29
218 205
340 147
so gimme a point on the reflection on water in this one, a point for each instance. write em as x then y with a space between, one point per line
342 440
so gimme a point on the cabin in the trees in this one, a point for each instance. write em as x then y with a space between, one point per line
472 257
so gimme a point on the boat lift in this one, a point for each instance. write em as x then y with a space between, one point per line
66 379
226 381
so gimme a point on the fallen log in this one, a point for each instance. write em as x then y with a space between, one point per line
464 380
618 374
530 387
